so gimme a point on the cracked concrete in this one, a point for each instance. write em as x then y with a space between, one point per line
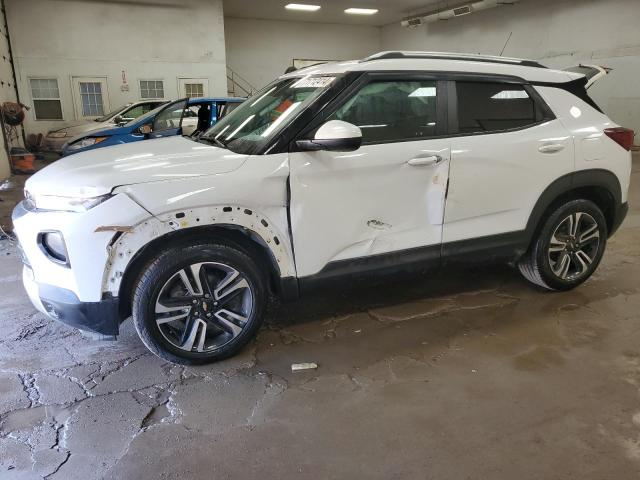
466 374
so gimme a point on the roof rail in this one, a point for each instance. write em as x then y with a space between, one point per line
451 56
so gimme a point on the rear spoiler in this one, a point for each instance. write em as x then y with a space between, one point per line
591 72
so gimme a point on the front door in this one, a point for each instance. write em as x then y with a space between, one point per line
387 196
90 98
168 121
193 87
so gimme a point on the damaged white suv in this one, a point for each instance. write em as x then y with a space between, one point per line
399 162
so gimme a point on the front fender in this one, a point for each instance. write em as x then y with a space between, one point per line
134 238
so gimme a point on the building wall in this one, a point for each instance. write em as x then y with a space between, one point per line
7 94
163 39
260 50
560 33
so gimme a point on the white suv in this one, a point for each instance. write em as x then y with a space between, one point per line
399 162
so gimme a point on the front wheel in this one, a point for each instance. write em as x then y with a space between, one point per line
199 303
568 247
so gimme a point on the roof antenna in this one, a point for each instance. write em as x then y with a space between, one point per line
505 43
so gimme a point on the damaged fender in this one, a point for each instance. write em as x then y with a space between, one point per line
129 243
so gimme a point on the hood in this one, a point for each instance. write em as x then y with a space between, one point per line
100 131
97 172
81 127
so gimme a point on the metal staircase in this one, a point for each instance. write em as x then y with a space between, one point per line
238 86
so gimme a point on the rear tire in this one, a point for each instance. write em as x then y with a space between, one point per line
567 248
199 303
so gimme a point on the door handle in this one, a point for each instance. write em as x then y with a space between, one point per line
425 159
551 148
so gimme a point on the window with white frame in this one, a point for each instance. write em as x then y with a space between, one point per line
194 90
151 89
46 98
91 96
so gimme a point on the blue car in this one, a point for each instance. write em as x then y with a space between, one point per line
187 116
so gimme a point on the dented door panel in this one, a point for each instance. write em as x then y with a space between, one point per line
367 202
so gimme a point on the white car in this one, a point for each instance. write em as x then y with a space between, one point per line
397 163
55 139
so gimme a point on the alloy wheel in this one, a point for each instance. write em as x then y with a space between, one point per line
204 306
574 246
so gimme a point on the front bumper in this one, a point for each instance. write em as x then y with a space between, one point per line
63 305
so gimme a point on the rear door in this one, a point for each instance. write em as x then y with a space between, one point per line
387 196
507 147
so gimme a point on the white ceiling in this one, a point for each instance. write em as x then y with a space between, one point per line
332 11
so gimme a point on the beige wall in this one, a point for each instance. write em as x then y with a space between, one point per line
7 93
163 39
560 33
260 50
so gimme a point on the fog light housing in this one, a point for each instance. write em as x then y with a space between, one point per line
53 246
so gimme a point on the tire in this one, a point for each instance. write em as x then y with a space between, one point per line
199 303
560 260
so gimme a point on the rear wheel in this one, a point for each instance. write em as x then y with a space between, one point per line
568 247
200 303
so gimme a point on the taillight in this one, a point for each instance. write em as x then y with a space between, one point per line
622 136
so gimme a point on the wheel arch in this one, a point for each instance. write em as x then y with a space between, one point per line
237 236
261 237
598 185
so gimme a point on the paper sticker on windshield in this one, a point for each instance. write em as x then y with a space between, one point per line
313 82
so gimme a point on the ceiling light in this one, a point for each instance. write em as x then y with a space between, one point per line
302 6
361 11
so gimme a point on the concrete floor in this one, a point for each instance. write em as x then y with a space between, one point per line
466 375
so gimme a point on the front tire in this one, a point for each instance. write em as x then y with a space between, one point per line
199 303
568 248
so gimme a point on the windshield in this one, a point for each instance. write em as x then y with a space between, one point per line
147 117
257 120
112 113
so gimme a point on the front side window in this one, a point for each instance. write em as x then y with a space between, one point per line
109 115
388 111
137 110
46 98
170 117
258 119
492 106
151 89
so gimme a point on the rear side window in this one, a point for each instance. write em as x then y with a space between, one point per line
493 106
390 111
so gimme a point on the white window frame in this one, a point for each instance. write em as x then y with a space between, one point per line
77 96
140 80
46 77
182 81
201 93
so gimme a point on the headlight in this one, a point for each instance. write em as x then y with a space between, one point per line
57 134
66 204
86 142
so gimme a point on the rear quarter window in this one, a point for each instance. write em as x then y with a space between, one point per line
493 106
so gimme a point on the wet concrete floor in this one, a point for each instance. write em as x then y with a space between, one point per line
468 374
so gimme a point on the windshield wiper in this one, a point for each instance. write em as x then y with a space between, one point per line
214 141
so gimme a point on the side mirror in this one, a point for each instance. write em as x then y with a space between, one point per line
145 129
334 136
118 119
